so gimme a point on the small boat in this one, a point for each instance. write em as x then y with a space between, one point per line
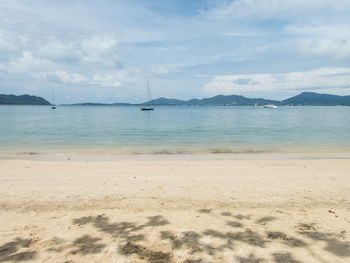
270 106
146 108
53 105
148 104
256 105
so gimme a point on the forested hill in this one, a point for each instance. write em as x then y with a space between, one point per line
22 100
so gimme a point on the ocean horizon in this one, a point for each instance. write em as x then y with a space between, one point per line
175 130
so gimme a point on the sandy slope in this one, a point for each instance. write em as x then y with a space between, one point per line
175 211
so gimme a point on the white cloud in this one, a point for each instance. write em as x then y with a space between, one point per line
58 51
335 80
160 69
96 46
93 51
336 48
247 8
5 46
322 40
105 80
99 52
26 63
263 9
116 78
63 77
319 30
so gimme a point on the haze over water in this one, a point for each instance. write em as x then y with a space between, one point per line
172 129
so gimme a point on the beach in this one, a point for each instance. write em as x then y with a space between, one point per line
190 209
174 131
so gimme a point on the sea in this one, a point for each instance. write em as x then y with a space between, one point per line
175 129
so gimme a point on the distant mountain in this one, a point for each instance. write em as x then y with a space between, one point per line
22 100
193 101
305 98
86 104
316 99
229 100
97 104
234 100
165 101
121 104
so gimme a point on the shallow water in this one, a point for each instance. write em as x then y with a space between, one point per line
175 129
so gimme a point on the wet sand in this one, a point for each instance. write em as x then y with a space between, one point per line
188 210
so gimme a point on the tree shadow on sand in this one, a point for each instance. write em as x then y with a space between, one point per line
284 258
196 244
250 259
333 244
87 245
17 250
145 253
123 230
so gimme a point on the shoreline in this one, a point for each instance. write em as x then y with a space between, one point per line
159 156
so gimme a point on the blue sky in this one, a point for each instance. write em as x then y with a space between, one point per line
106 50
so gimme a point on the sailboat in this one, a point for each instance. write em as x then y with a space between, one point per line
148 107
53 101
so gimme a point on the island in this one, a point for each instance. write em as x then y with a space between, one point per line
22 100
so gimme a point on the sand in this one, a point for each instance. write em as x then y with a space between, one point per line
188 210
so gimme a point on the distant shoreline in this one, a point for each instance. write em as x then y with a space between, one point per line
158 105
303 99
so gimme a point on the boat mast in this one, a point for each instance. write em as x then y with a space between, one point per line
149 93
53 99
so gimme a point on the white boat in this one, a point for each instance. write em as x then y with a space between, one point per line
256 105
147 107
270 106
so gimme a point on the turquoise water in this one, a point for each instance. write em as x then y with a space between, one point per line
172 129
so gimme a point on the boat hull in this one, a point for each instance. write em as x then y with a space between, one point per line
270 106
147 109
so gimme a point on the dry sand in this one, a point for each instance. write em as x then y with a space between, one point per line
180 210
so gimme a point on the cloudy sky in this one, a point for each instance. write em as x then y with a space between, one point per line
106 50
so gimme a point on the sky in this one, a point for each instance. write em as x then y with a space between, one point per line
107 50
